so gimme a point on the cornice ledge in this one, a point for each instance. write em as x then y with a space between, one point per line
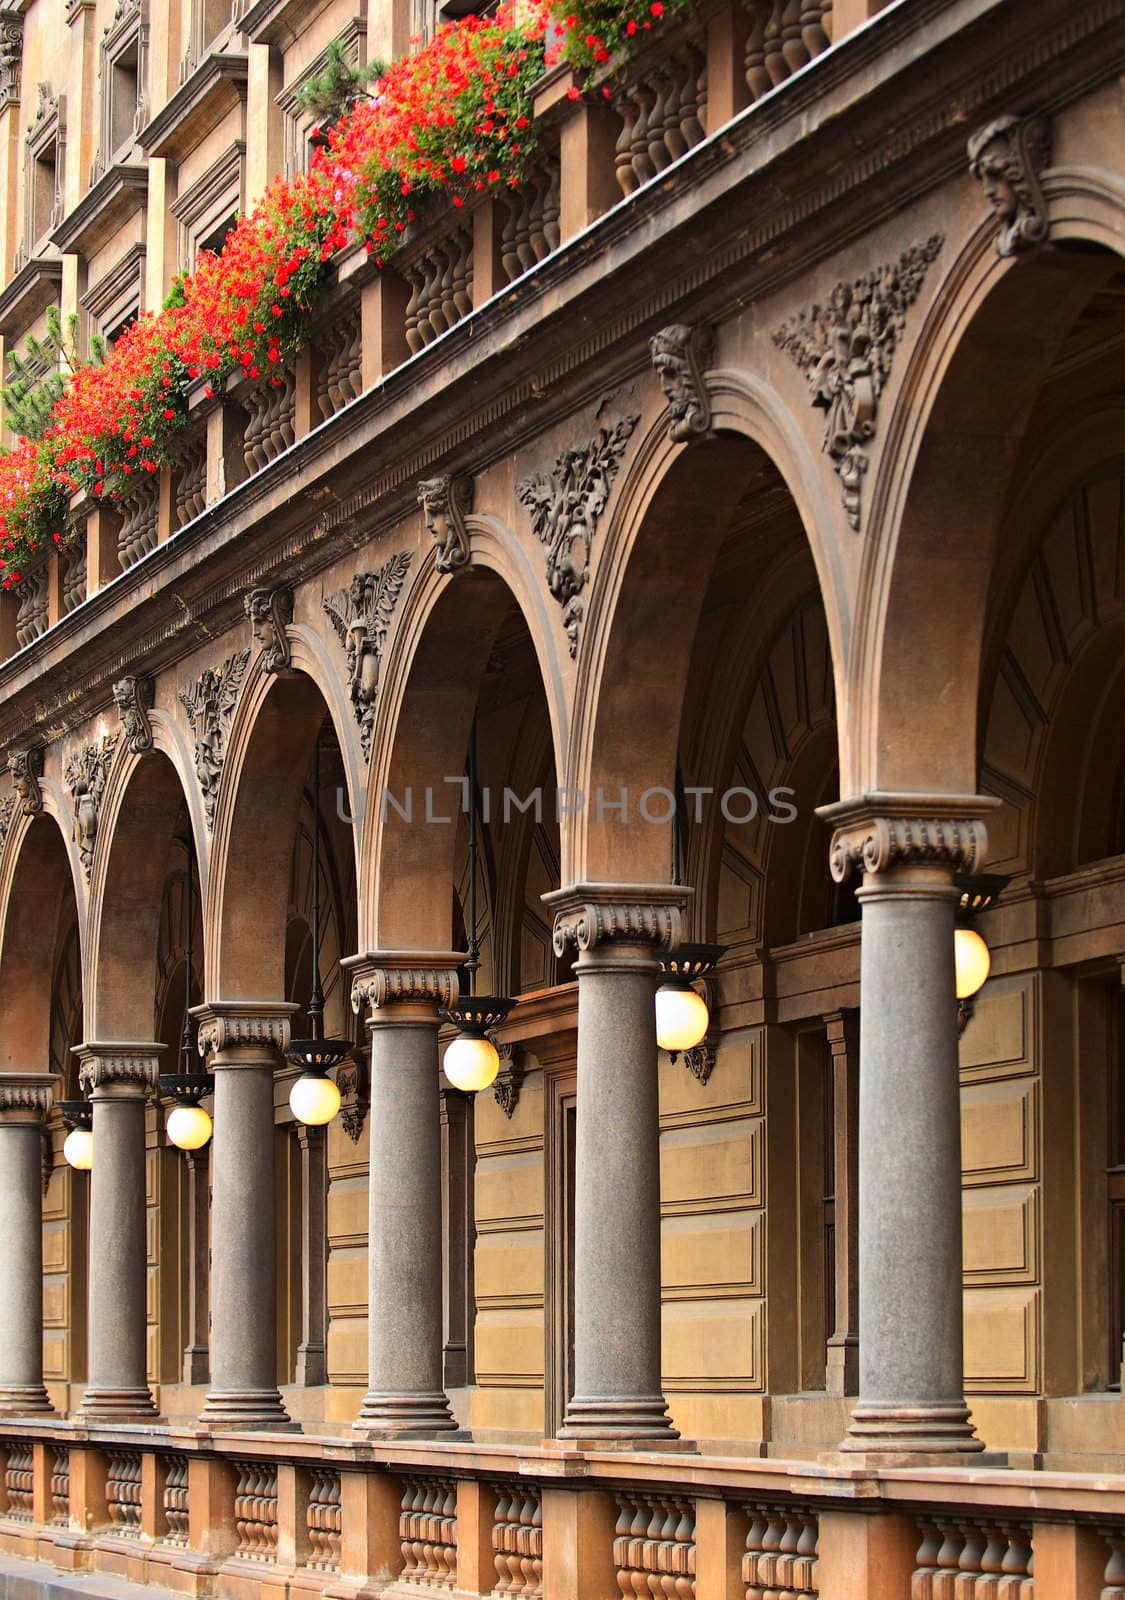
591 914
158 135
250 1024
874 831
120 191
382 978
33 288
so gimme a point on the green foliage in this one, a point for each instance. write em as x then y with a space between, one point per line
335 90
38 376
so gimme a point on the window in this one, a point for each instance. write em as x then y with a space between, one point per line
206 212
114 301
298 123
43 172
123 69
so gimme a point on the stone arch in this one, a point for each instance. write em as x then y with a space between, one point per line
992 334
431 683
38 885
269 751
646 603
145 800
1052 746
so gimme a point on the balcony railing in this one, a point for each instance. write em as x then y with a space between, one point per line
544 1523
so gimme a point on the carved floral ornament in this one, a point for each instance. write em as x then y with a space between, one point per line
246 1025
361 615
681 355
85 775
445 503
1006 156
210 705
7 816
133 697
565 509
846 349
270 612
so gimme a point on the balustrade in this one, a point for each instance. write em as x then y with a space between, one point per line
271 409
74 578
255 1511
139 521
19 1479
32 608
191 481
654 1547
339 379
961 1559
175 1500
782 1548
60 1486
517 1541
123 1491
323 1521
428 1530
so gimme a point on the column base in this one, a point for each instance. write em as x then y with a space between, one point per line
407 1416
23 1399
115 1405
642 1420
904 1433
246 1408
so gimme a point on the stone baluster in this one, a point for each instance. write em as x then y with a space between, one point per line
244 1041
619 932
25 1098
119 1078
402 994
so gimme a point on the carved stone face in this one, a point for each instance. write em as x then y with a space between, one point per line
996 177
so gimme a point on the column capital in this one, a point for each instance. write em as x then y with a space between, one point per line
251 1024
26 1096
127 1064
873 832
591 914
403 977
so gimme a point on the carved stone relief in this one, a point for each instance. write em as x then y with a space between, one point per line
210 705
681 355
85 776
445 503
361 615
846 349
133 697
26 767
565 509
270 612
1007 156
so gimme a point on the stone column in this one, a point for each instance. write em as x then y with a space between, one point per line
403 994
25 1098
619 932
244 1041
119 1078
911 1370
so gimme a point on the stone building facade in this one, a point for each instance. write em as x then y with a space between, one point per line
779 446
